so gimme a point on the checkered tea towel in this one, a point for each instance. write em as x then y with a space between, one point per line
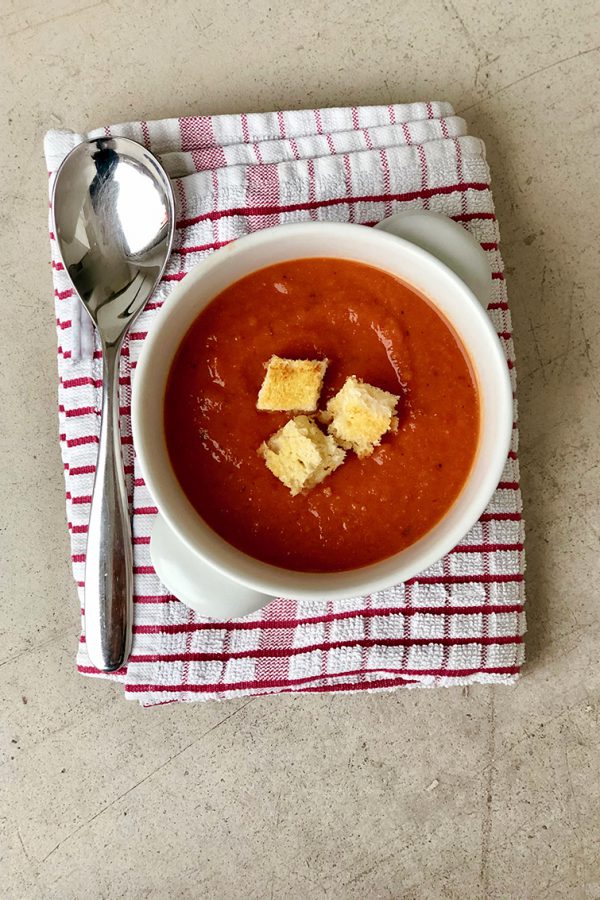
459 622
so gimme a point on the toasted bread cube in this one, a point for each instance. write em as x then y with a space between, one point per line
292 385
300 455
359 415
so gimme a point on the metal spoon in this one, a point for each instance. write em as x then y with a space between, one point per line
114 218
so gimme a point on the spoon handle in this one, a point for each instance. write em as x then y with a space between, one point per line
109 563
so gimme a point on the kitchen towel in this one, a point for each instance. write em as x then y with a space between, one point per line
460 622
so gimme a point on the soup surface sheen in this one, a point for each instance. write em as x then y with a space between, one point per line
368 324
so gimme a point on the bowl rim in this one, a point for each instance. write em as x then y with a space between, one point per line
277 581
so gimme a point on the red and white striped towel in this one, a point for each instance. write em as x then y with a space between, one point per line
461 621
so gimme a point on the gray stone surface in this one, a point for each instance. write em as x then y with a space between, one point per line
486 793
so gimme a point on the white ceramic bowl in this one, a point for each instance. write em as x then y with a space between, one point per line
419 268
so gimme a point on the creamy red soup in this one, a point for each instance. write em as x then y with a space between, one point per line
366 323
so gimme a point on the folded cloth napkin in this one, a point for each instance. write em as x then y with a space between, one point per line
461 621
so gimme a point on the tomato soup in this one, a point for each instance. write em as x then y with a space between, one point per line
366 323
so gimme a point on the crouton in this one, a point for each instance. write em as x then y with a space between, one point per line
359 415
292 385
300 455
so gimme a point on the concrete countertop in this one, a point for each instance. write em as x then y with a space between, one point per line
480 793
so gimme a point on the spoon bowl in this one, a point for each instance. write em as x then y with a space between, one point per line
114 218
114 213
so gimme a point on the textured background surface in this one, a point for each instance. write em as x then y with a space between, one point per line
494 793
